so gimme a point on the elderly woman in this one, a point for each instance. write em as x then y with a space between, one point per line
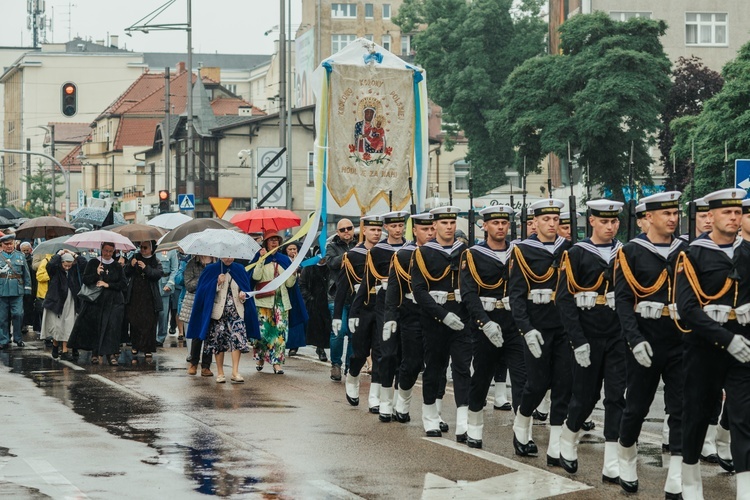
223 316
62 303
97 327
274 306
143 299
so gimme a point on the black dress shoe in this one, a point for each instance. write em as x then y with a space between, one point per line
474 443
522 450
713 458
375 410
629 486
292 352
402 417
352 401
611 480
433 434
505 407
537 415
553 462
570 466
444 427
384 418
461 438
160 344
531 446
727 465
588 426
672 496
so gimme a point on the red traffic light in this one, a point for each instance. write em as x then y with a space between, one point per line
69 89
163 194
69 99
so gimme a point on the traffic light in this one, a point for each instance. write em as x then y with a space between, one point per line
164 202
69 99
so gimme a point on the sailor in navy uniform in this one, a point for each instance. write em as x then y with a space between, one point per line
533 280
366 316
349 282
640 217
586 301
702 220
402 316
644 273
435 284
713 301
484 286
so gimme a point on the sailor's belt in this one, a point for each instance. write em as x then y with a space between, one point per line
441 297
491 303
722 314
374 290
384 284
587 300
12 276
541 295
656 310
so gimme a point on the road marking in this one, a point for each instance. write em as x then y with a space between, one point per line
526 482
133 393
333 491
54 478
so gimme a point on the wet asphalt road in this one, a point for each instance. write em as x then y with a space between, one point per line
74 430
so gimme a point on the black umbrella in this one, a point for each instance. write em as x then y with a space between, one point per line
11 213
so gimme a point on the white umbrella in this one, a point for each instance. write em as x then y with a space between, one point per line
169 221
220 243
94 239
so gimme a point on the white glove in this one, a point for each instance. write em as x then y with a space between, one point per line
583 355
739 347
336 325
535 342
389 328
353 324
494 333
643 353
453 322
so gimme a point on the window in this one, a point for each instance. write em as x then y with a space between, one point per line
705 29
461 175
151 177
386 11
405 45
369 11
344 10
338 42
369 37
310 168
387 42
624 16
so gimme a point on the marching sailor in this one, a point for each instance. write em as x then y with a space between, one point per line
435 284
366 316
586 301
484 284
402 317
714 304
533 279
643 278
702 220
348 283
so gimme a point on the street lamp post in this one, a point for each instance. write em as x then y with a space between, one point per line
65 173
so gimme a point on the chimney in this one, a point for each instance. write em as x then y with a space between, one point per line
180 67
245 111
100 42
114 41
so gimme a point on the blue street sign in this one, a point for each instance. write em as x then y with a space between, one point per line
742 175
186 201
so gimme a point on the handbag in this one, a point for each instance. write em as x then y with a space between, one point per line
90 293
261 284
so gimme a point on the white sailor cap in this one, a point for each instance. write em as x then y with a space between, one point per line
701 205
640 211
372 220
746 206
423 219
549 206
662 201
529 212
565 218
606 209
496 212
725 198
448 212
395 217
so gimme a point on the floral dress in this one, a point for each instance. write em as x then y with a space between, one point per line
229 333
273 329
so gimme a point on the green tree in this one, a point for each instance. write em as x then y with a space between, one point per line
39 192
693 84
468 50
602 95
724 122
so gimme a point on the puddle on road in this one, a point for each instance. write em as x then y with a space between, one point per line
217 468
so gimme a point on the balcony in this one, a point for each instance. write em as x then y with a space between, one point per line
94 148
132 192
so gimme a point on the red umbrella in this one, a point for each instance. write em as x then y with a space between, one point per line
265 219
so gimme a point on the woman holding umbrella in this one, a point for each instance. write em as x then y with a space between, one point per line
143 299
61 303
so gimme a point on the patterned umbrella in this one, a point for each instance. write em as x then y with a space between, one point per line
94 216
220 243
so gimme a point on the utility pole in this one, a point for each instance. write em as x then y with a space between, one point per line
52 154
190 185
165 135
289 101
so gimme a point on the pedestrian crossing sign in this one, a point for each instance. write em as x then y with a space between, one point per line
186 201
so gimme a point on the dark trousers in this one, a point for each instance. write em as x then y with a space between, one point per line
196 351
366 340
442 344
642 384
550 371
607 368
487 357
501 369
390 358
707 370
412 352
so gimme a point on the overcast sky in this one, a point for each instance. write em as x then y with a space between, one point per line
224 26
